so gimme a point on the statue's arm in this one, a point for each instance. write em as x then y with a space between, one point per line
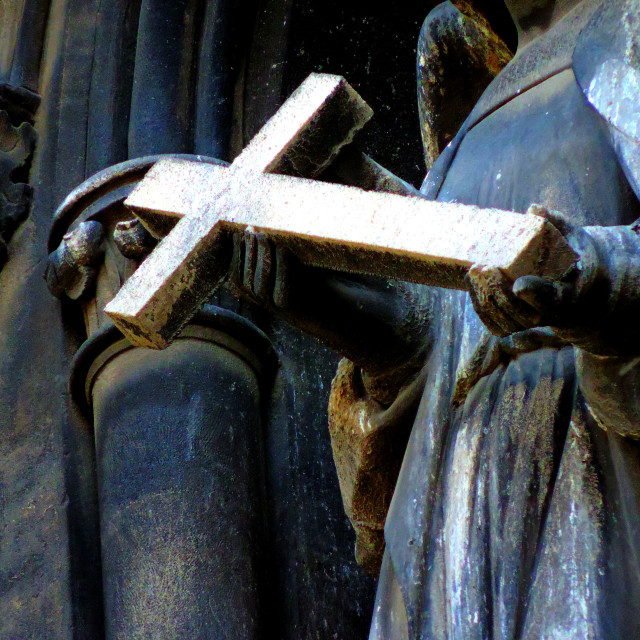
608 363
382 326
596 308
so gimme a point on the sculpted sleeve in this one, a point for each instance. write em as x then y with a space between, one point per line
609 376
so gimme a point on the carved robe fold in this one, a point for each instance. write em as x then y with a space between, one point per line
517 510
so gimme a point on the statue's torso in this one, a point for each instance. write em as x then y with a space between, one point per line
504 495
546 145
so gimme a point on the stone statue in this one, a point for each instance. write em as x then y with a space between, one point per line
516 508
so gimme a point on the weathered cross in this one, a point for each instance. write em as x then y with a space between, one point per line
324 224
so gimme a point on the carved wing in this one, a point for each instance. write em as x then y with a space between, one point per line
458 56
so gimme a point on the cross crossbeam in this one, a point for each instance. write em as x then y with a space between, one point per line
329 225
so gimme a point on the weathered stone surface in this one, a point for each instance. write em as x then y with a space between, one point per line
357 169
321 116
325 225
17 144
71 269
133 240
368 455
458 55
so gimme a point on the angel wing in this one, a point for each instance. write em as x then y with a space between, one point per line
458 55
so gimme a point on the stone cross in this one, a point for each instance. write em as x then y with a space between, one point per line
324 224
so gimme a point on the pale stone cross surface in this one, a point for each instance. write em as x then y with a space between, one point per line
324 224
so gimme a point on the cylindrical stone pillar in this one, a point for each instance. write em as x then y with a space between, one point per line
180 476
178 437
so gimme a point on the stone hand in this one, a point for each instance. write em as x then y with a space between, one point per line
376 323
596 306
260 270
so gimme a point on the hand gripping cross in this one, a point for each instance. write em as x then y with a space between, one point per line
324 224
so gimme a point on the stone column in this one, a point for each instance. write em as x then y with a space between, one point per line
178 436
